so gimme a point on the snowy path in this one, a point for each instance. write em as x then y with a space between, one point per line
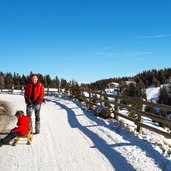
74 140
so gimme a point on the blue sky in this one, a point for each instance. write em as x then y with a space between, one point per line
85 40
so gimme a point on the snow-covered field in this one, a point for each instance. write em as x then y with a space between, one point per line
153 93
72 140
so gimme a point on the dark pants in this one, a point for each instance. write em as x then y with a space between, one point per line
37 115
9 137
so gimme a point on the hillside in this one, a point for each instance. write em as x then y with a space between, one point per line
145 79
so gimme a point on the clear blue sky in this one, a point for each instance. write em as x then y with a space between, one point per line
85 40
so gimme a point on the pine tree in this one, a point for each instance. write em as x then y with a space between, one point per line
9 81
64 83
154 81
40 77
47 80
141 90
16 80
57 82
23 81
2 81
165 95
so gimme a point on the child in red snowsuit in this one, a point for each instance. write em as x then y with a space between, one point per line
22 129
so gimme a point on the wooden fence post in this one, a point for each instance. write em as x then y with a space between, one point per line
89 95
48 90
117 100
81 93
101 102
140 118
22 89
59 89
100 99
12 88
71 92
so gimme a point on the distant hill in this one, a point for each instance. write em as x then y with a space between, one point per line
149 78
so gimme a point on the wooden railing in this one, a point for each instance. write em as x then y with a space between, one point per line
21 90
126 102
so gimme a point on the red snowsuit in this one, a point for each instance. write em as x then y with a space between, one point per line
23 125
38 92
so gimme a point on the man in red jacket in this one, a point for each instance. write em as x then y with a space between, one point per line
22 129
34 96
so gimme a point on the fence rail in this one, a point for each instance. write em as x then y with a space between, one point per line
119 102
127 102
47 91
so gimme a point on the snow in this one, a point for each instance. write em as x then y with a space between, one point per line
153 93
72 140
51 89
112 91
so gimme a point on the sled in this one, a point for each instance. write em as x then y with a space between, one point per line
29 137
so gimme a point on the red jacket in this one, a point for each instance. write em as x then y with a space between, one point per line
23 125
38 92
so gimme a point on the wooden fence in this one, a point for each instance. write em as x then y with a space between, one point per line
126 102
119 102
21 91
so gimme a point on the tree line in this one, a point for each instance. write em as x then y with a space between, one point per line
152 78
145 79
17 81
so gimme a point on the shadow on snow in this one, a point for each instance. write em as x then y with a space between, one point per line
144 145
118 161
115 158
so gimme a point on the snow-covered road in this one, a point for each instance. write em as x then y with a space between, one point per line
74 140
